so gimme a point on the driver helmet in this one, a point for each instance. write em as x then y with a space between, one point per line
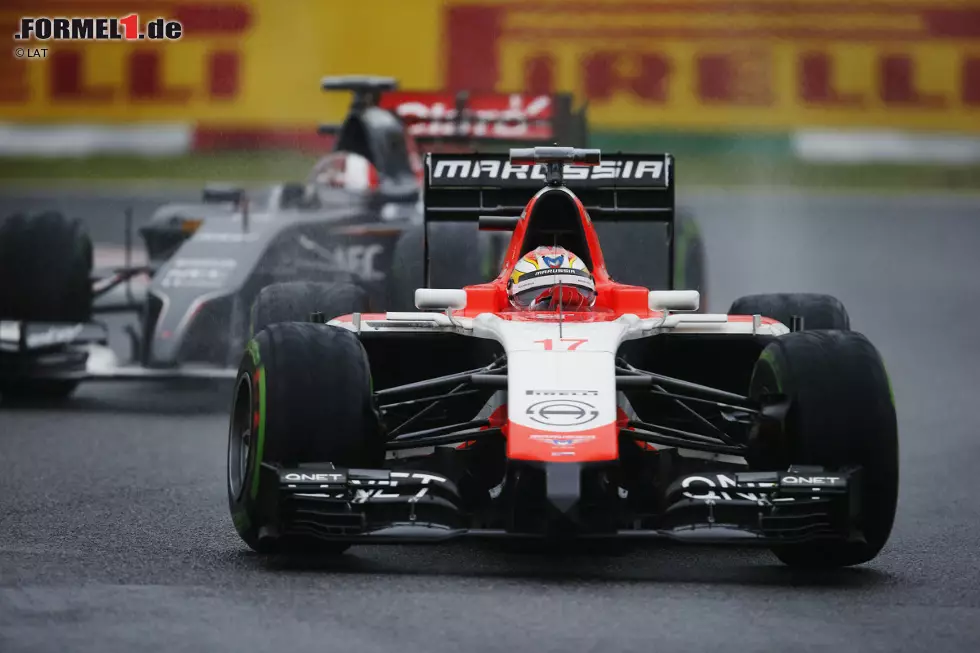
549 279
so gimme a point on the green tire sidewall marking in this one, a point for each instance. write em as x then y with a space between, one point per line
680 266
253 349
770 360
492 259
888 380
260 439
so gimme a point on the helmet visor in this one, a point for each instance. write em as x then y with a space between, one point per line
553 289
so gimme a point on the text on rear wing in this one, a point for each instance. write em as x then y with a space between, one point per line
464 172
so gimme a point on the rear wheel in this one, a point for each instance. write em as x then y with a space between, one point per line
818 311
841 414
689 259
295 300
303 395
459 255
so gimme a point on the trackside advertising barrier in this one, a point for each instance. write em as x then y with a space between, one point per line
252 66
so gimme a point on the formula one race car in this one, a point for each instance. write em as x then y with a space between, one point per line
356 223
554 402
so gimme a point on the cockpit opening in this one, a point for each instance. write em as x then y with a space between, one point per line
554 221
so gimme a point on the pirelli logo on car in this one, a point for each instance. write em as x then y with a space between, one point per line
616 171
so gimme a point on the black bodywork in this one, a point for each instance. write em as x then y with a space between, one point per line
555 500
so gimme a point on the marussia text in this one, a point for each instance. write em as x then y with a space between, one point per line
490 170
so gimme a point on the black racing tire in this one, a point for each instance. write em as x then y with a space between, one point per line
45 269
459 255
638 254
304 391
841 414
295 300
818 311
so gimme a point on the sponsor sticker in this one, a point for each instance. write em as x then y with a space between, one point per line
319 477
198 273
562 412
226 238
813 481
703 488
359 260
563 441
485 116
732 487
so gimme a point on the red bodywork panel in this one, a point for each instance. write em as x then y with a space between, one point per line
612 299
593 445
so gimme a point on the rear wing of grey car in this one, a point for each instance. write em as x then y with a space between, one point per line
496 122
447 121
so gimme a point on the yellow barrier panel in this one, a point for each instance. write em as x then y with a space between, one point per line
659 64
255 62
749 64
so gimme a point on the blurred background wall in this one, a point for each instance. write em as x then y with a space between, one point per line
818 80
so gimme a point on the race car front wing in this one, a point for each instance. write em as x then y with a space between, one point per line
378 505
81 352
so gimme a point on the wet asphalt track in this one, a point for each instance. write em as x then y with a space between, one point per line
114 532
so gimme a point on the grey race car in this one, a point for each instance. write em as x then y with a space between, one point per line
348 239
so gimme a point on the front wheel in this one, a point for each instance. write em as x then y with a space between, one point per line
303 395
841 414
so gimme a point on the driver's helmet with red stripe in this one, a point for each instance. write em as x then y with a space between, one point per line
549 279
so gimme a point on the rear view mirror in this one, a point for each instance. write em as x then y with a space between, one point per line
440 299
220 193
674 300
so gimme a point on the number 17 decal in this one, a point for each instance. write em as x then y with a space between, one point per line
549 344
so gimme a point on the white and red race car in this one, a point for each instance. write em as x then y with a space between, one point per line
638 417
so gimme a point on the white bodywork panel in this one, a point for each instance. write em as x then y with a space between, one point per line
561 379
